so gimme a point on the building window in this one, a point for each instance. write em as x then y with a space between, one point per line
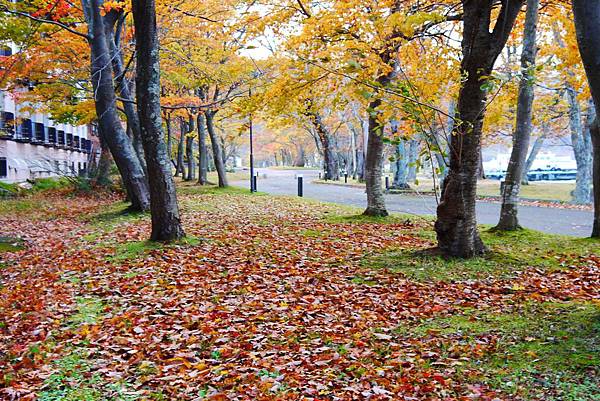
7 123
51 134
3 167
61 137
26 130
39 132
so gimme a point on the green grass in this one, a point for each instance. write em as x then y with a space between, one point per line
539 346
550 191
45 184
137 249
9 244
509 252
89 311
115 214
73 378
553 191
15 206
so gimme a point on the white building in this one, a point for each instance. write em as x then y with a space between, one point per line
32 145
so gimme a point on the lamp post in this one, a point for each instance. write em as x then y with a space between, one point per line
252 180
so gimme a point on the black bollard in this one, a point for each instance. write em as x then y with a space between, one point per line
345 178
387 182
300 183
255 181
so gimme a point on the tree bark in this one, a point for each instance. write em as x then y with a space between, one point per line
456 224
587 26
401 160
353 154
113 21
300 159
103 173
329 160
169 137
374 164
401 166
180 166
202 150
595 133
166 225
509 220
413 155
216 148
581 143
189 153
110 127
533 153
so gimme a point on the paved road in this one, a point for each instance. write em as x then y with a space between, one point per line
551 220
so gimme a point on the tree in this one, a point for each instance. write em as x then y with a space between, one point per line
456 224
202 150
53 61
587 25
111 129
518 158
166 225
114 19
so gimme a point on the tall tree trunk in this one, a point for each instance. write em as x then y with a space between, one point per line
300 159
329 159
353 154
223 151
103 172
180 167
189 152
401 166
595 132
533 153
413 155
169 138
480 169
512 185
587 26
110 126
202 150
580 138
166 225
113 24
456 224
582 146
216 149
374 164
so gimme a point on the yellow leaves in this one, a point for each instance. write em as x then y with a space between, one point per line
113 5
408 24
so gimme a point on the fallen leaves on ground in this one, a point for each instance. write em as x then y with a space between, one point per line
270 302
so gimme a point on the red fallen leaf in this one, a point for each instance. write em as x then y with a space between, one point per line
439 378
